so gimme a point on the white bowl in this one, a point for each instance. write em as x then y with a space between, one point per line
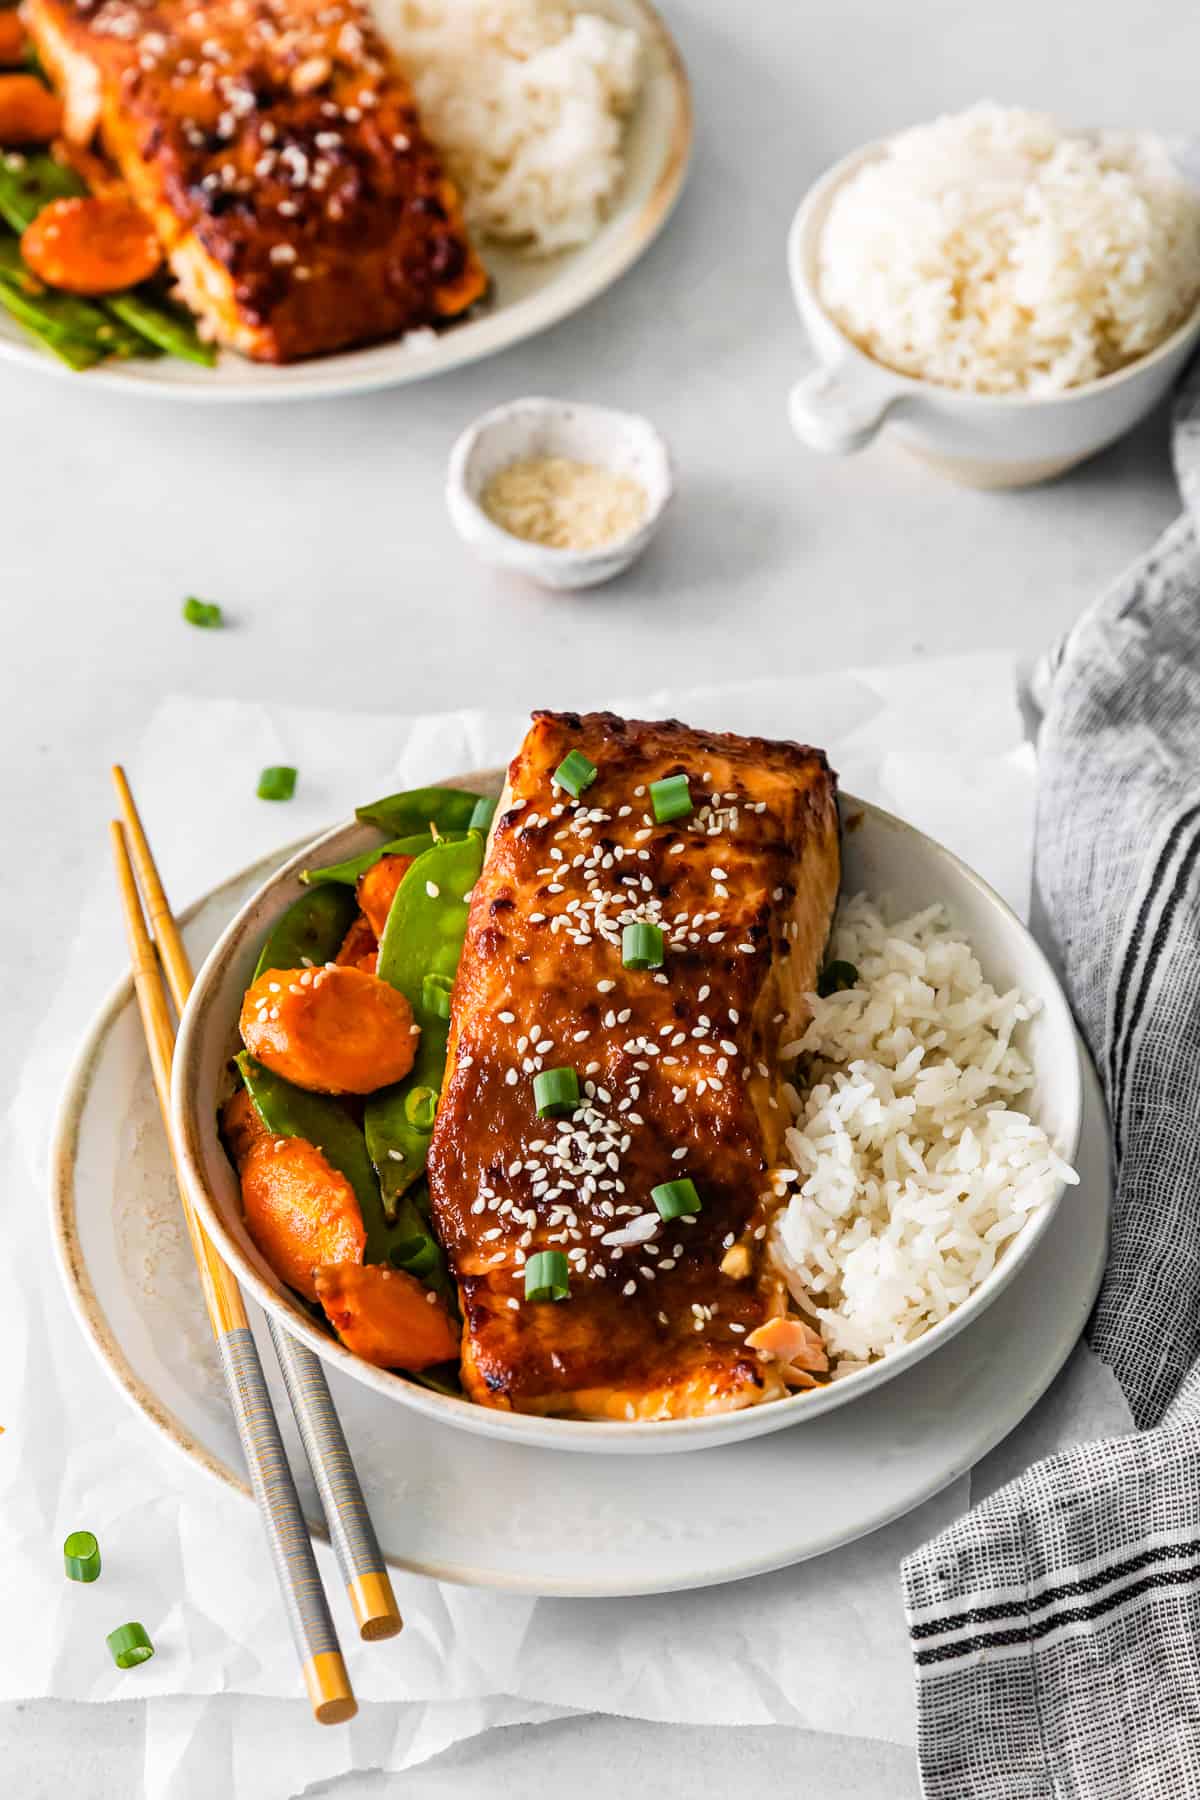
983 440
624 442
881 855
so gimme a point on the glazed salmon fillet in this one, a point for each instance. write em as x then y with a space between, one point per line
276 148
675 1065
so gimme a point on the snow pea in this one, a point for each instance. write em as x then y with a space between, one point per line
162 325
423 936
311 931
29 181
450 809
349 871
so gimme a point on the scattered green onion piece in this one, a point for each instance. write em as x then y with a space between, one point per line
574 773
277 784
555 1093
835 978
205 613
547 1276
435 995
675 1198
671 798
485 812
130 1645
420 1108
81 1555
642 946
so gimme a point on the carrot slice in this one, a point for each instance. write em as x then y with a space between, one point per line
386 1316
360 946
29 112
299 1210
97 245
377 889
12 39
333 1030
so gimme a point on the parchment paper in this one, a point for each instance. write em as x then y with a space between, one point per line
940 742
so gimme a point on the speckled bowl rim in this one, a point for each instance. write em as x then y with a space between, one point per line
196 1138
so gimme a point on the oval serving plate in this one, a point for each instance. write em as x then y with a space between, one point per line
458 1507
529 295
881 855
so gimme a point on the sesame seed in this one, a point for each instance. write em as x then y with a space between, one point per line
432 889
506 1018
510 1077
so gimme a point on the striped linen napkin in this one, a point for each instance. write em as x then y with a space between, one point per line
1055 1629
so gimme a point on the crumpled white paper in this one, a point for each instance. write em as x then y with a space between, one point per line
939 742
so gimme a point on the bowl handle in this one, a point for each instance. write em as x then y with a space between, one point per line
833 411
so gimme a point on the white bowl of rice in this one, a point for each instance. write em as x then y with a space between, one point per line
1007 296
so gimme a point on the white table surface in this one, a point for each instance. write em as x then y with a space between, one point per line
321 531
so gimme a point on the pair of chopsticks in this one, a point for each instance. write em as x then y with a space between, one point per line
154 935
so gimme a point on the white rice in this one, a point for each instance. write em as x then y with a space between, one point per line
994 250
526 101
916 1165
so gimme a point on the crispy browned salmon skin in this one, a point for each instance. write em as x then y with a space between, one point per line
276 147
675 1065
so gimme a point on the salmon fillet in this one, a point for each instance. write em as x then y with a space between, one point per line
276 147
675 1065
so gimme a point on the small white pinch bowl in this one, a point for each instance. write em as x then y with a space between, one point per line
981 440
624 442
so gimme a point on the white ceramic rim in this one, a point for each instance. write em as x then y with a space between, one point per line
809 215
550 557
638 1437
386 365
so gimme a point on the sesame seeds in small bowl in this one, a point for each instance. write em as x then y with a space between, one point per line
564 494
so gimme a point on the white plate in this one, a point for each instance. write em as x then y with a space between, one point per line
527 296
465 1508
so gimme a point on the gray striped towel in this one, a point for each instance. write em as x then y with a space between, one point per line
1056 1628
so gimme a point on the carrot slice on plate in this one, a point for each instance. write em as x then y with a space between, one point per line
12 39
94 246
29 112
299 1210
336 1030
377 888
386 1316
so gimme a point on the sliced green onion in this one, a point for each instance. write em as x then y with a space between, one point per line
555 1093
836 977
675 1198
484 813
130 1645
420 1108
435 995
277 784
205 613
671 798
81 1555
547 1276
574 773
642 947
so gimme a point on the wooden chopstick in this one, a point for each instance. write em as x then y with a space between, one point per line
299 1579
353 1536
